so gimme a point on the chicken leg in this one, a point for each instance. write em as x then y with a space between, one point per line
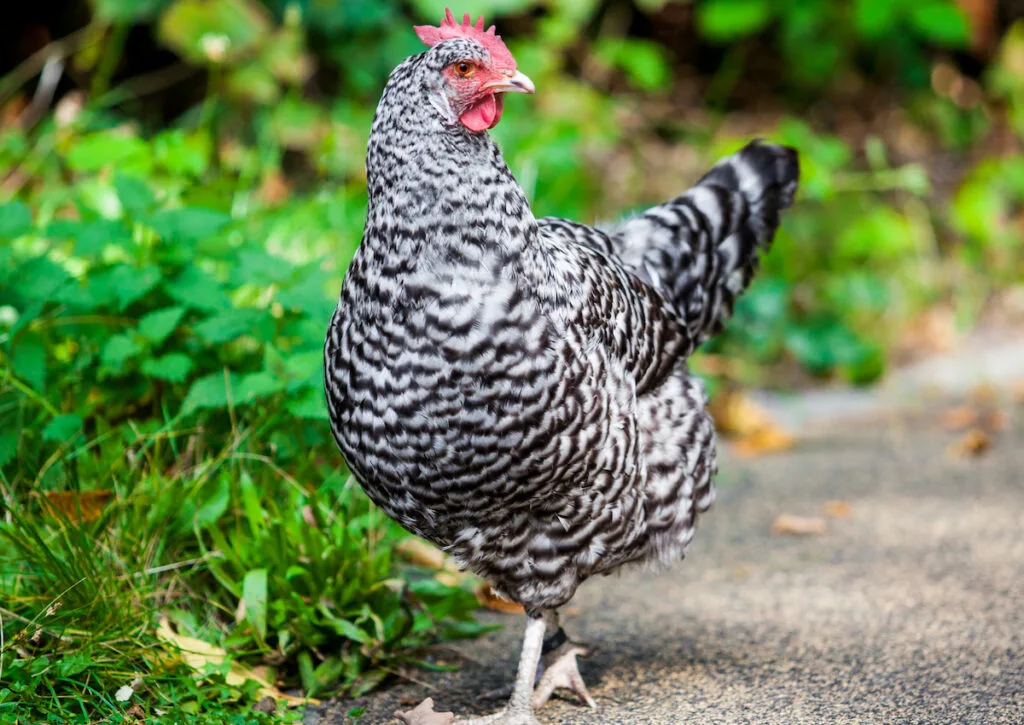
519 710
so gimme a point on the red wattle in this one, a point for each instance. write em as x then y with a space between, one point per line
484 115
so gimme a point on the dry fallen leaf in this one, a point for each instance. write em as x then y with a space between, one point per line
736 415
200 655
982 394
77 506
424 714
768 439
489 599
788 524
959 417
837 509
751 428
419 552
975 442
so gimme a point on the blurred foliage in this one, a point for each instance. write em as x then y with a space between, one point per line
165 284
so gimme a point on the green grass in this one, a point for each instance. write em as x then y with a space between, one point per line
295 575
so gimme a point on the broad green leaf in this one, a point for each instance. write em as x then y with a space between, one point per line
102 149
173 367
62 428
940 21
256 266
197 289
91 237
118 350
124 284
158 325
310 406
189 26
643 61
258 385
39 279
183 153
28 360
210 391
874 18
231 324
135 195
254 597
15 220
188 224
725 20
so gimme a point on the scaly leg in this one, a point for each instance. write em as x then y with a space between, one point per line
558 662
519 710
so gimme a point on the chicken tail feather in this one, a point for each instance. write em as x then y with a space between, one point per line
701 248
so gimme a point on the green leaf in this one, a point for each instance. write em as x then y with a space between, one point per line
95 151
728 20
183 153
254 597
214 505
258 385
231 324
15 220
8 446
127 11
643 61
118 350
173 367
62 428
210 391
189 224
28 360
874 18
310 406
188 25
124 284
135 195
197 289
940 22
156 326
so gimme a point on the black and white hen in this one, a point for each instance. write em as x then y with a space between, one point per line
515 389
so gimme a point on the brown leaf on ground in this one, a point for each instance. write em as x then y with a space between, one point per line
982 394
77 506
751 428
134 714
994 420
419 552
975 442
424 714
201 656
959 417
768 439
790 525
489 599
837 509
736 415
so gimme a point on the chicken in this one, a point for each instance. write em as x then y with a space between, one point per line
515 389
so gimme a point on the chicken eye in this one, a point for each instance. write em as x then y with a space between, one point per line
464 68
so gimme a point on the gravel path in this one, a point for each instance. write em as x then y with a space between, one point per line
909 610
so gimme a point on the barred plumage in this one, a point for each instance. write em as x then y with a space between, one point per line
515 390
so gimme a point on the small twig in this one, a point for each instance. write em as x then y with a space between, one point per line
48 80
34 64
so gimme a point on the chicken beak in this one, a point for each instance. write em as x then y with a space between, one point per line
516 83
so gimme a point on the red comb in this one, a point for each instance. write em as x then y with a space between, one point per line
431 36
